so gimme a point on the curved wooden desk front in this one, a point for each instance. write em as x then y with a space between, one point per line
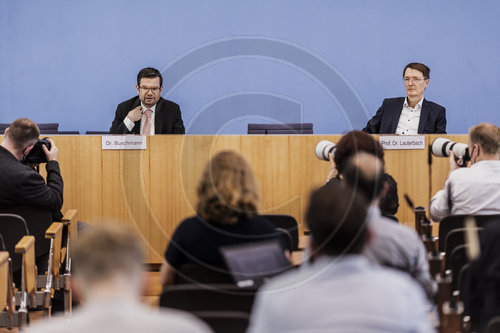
152 190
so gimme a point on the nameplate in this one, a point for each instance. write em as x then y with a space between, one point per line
124 142
402 141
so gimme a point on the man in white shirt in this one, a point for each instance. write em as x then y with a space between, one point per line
474 190
412 114
108 275
148 113
341 291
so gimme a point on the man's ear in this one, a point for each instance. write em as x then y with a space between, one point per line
28 149
137 87
385 190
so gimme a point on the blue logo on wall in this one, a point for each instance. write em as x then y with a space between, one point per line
258 103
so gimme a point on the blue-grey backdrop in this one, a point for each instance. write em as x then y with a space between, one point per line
228 63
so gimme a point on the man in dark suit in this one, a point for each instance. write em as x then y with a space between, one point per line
20 184
148 113
411 114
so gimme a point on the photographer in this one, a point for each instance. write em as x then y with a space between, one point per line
20 184
474 190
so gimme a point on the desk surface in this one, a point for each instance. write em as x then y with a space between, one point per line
152 190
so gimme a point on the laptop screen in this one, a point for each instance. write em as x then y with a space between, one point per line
251 263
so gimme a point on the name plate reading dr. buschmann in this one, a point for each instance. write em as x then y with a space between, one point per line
124 142
402 141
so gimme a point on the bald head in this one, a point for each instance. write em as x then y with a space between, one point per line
487 136
365 173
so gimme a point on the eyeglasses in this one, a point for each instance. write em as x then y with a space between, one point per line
154 90
413 79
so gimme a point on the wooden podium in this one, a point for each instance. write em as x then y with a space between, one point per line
152 190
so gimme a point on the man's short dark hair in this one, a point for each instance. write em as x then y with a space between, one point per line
353 142
365 172
150 73
426 71
22 132
487 136
336 217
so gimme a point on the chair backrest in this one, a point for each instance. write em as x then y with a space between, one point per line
45 128
225 321
293 128
48 128
4 278
97 132
54 232
67 133
287 222
455 238
26 247
493 325
193 273
13 227
37 222
457 221
216 297
458 259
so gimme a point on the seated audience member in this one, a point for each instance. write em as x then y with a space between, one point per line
393 245
351 143
108 276
227 206
20 184
389 203
481 290
148 113
474 190
412 114
341 291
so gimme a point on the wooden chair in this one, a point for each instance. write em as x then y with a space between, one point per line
58 253
28 294
9 317
59 256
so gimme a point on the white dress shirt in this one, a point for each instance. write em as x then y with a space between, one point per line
130 124
340 294
469 191
409 119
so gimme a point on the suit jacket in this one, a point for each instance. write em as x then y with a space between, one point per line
385 121
168 119
21 185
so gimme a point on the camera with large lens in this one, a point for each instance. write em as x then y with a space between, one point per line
36 154
441 148
323 148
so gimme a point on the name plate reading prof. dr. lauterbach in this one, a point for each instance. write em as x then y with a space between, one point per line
123 142
402 141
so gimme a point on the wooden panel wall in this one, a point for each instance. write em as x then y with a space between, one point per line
151 191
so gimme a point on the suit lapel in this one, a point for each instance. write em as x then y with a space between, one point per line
396 113
424 114
159 117
137 126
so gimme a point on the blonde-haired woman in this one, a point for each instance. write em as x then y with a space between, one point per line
228 199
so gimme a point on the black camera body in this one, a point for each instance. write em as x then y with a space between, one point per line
36 154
